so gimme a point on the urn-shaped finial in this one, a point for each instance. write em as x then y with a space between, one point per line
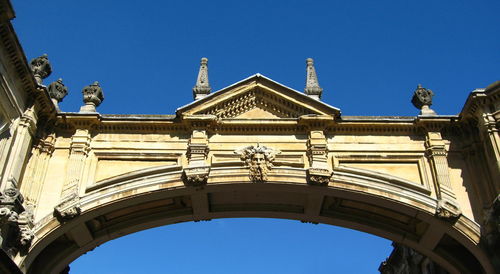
57 92
422 99
92 97
312 85
202 87
41 68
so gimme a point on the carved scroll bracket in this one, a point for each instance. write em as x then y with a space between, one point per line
16 222
68 209
259 159
319 173
196 173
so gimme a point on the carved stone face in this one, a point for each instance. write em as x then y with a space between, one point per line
259 167
258 159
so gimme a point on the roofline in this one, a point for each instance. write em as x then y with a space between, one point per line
256 75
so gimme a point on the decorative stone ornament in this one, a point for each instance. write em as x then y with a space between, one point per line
92 97
317 151
202 87
57 92
491 230
41 68
25 225
260 161
68 209
312 89
422 99
448 211
319 176
16 222
196 176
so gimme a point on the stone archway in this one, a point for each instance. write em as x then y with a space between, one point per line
137 202
257 148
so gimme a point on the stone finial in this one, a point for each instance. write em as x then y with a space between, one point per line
202 87
57 92
92 97
312 85
422 99
41 68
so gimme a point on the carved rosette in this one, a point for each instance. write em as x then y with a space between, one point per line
259 159
318 176
41 68
195 176
92 97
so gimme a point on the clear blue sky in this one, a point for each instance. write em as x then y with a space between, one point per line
369 55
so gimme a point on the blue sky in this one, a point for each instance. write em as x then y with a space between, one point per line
369 55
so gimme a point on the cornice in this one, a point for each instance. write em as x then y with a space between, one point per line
479 98
16 57
111 123
6 11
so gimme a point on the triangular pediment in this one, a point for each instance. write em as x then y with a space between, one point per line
257 97
257 113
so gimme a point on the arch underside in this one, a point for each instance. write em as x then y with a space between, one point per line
359 200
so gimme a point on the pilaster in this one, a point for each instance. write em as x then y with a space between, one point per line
69 206
19 147
491 138
32 184
447 207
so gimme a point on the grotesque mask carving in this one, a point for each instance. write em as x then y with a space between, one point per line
259 159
